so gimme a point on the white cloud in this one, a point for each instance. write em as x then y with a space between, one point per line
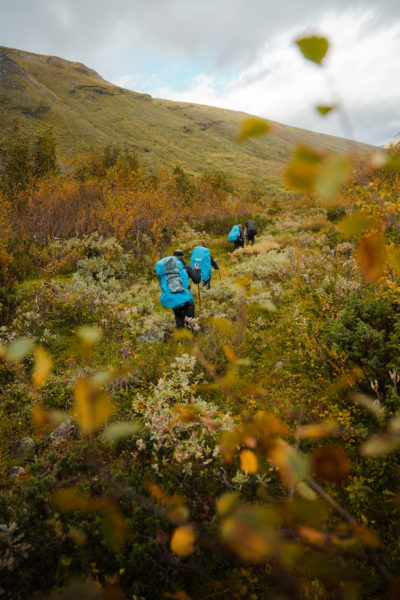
280 85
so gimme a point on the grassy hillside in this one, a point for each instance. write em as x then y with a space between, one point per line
87 111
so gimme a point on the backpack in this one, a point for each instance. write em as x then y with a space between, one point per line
202 257
234 233
174 282
251 228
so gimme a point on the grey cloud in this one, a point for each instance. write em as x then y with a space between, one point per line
213 33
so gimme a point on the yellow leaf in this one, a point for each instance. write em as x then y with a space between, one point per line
229 353
312 535
226 502
40 417
182 541
313 48
92 406
253 127
42 366
316 430
325 110
248 461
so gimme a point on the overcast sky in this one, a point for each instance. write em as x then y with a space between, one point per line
235 54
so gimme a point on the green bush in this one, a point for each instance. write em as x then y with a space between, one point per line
367 331
335 213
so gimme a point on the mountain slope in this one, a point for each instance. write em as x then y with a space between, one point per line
87 111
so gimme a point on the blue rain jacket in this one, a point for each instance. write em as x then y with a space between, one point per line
202 257
234 233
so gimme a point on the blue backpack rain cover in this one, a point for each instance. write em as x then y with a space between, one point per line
168 298
202 257
234 233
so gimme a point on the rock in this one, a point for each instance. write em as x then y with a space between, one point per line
278 365
26 448
66 430
15 472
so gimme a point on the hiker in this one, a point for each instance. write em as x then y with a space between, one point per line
201 256
250 232
236 236
173 274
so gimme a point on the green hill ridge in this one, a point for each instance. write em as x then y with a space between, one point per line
88 112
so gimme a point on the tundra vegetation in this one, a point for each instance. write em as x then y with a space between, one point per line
255 457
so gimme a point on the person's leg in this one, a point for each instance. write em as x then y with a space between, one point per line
189 312
252 239
206 284
180 314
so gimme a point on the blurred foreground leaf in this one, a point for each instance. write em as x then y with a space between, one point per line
182 541
354 225
42 366
226 502
316 430
119 431
248 461
374 407
331 176
251 532
385 160
330 463
324 110
381 444
313 48
90 335
302 171
253 127
18 349
371 255
92 406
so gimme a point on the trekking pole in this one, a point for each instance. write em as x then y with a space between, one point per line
219 273
198 287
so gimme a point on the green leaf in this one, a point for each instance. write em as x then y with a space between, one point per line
313 48
118 431
305 491
324 110
301 172
19 349
90 335
331 176
253 127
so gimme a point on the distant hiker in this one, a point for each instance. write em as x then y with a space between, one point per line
236 236
202 257
173 274
250 232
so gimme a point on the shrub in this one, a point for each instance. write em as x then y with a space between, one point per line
335 213
367 330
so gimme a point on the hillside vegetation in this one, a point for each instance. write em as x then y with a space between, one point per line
251 454
86 111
